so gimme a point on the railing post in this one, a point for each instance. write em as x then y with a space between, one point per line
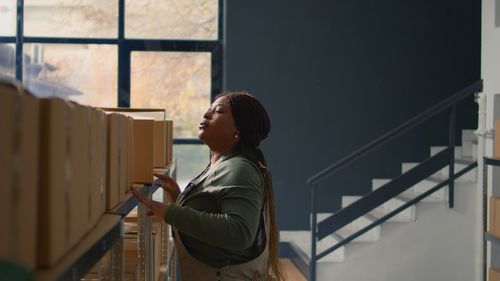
451 166
312 261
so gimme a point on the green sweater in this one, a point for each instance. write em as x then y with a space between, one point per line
219 218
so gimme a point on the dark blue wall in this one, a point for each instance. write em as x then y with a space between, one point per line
335 74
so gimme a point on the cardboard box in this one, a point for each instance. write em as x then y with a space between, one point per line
131 270
98 144
55 181
8 98
160 144
20 120
143 150
494 274
170 142
113 161
26 207
494 216
497 139
80 172
131 152
124 156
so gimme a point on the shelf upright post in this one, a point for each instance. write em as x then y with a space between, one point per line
165 237
168 262
117 257
100 275
485 222
145 243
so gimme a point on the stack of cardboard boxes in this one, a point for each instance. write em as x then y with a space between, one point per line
62 165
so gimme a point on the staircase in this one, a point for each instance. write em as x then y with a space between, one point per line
398 248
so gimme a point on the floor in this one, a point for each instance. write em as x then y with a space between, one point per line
292 273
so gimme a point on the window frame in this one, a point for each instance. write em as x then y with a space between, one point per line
126 47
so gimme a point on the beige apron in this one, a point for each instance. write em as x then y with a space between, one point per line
194 270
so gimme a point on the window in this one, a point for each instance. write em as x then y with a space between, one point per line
8 17
148 53
71 18
172 19
176 81
85 73
7 60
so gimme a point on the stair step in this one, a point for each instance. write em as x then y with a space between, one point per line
406 166
474 150
371 235
423 186
436 149
302 239
358 224
407 215
460 163
469 138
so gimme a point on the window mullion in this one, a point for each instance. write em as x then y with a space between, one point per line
19 39
123 60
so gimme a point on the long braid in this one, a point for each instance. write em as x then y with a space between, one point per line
273 264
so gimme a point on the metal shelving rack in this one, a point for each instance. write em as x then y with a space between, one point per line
494 248
107 235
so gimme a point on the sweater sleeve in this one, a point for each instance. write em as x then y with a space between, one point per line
238 187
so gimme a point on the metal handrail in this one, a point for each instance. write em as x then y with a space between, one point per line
312 182
395 211
410 124
382 194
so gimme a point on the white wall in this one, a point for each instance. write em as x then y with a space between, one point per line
490 73
490 57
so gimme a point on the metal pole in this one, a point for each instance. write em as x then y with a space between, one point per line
481 133
19 40
485 212
312 262
144 240
451 166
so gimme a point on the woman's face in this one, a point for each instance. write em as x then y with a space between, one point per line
217 128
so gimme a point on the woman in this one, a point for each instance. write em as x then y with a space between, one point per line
224 222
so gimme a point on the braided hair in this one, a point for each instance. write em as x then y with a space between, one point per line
253 123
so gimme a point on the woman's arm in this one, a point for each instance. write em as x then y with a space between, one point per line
239 192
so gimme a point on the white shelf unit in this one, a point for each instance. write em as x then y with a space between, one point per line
491 246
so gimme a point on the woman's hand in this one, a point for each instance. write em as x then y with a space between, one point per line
170 186
155 208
